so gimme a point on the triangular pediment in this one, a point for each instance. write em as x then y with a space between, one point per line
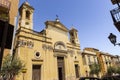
57 25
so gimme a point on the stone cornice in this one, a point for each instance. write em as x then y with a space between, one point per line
89 53
57 50
76 45
32 32
34 39
73 48
60 55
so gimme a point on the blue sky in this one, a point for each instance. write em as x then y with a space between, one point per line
91 18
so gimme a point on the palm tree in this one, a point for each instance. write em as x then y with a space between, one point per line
95 69
11 67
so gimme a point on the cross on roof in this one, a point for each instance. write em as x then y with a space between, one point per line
57 19
57 16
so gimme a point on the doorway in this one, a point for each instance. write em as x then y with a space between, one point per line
36 72
61 68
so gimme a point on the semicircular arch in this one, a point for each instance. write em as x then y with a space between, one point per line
60 45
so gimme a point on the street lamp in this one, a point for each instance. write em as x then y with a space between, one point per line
112 39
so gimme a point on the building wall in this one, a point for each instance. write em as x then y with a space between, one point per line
48 58
89 57
105 60
13 11
12 17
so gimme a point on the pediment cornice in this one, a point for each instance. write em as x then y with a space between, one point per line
57 25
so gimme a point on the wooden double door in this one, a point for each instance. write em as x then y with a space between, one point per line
36 72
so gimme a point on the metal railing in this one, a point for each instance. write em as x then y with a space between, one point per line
115 13
115 1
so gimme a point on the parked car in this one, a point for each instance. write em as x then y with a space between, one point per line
111 78
89 78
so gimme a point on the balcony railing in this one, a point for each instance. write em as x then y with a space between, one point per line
5 4
115 1
115 13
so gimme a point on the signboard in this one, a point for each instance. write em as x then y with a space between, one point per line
9 34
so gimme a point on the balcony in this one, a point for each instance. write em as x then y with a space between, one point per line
115 1
4 9
115 13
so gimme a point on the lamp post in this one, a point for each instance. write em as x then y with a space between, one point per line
112 39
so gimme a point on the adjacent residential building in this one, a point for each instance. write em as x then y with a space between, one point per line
89 57
115 60
8 12
109 60
92 55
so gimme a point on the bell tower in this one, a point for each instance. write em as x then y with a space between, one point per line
74 36
26 16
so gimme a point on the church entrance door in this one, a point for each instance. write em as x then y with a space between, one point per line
61 68
36 72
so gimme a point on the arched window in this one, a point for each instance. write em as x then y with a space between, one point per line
27 14
60 45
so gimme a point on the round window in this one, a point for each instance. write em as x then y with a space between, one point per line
37 54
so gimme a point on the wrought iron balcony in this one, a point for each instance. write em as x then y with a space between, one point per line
115 13
115 1
4 9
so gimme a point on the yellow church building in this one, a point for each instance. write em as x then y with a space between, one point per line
52 54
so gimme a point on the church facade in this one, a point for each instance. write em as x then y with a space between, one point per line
52 54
